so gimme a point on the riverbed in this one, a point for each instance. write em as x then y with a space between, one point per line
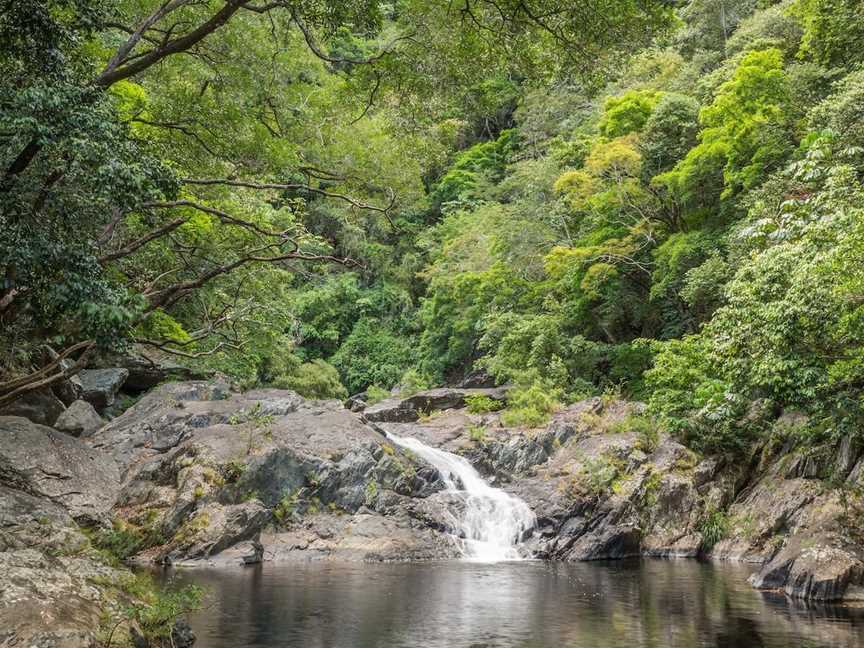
528 604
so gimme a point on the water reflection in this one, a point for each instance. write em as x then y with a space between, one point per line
663 604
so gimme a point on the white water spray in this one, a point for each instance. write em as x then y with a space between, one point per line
493 521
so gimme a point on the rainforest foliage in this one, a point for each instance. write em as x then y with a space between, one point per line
658 199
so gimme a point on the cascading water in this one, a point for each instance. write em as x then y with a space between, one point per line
493 521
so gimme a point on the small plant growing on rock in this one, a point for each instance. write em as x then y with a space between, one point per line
192 528
647 434
151 614
233 471
713 527
287 508
371 493
123 540
477 433
531 405
411 382
480 404
375 394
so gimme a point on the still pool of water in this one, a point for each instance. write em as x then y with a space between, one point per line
656 603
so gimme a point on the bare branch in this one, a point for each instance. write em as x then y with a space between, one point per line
116 70
291 186
130 247
14 389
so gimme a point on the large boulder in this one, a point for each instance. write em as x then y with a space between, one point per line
80 420
54 589
100 386
45 463
147 369
41 406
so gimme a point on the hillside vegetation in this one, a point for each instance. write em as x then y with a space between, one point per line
661 202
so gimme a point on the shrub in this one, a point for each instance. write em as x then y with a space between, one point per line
316 379
531 405
480 404
155 610
124 540
372 355
375 394
713 527
287 507
647 434
477 433
411 382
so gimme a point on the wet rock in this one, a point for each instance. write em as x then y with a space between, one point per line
607 542
40 406
43 462
211 474
100 386
816 557
182 635
79 420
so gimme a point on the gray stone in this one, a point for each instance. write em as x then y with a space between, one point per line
101 385
68 390
848 452
406 410
46 463
79 419
40 406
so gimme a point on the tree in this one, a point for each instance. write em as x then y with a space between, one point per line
116 173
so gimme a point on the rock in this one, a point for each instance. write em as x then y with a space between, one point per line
848 452
79 419
146 373
607 542
70 389
182 635
28 521
357 402
101 385
364 536
52 600
406 410
49 594
808 466
40 406
213 528
210 475
45 463
477 379
759 517
166 416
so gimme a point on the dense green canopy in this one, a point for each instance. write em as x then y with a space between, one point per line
576 197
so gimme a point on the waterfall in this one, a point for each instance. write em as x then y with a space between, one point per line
493 521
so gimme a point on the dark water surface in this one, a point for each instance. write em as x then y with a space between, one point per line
657 603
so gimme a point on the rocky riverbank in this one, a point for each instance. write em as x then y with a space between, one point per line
197 474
